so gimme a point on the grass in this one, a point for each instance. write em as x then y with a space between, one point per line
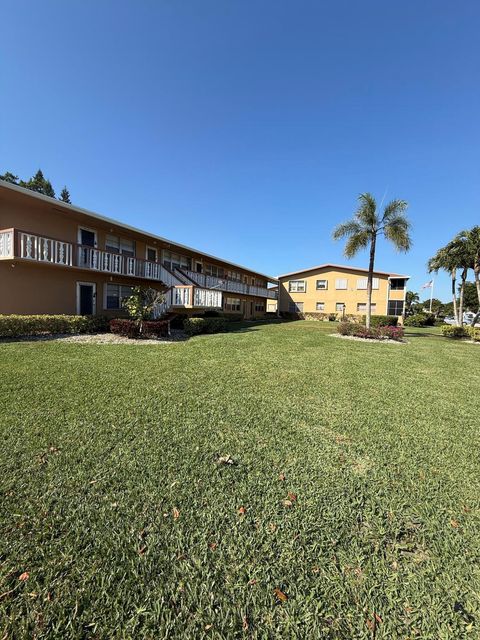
113 503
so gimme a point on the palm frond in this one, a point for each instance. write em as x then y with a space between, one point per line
397 230
346 229
393 209
366 213
356 243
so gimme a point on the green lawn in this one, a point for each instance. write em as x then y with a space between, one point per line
113 502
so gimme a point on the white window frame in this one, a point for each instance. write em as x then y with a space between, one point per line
296 290
323 306
149 247
373 307
341 280
362 284
94 306
79 235
325 288
105 290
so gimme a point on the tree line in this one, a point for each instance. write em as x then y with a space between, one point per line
37 183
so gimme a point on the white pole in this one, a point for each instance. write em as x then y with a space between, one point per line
431 295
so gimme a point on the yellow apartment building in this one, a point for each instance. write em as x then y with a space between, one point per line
341 290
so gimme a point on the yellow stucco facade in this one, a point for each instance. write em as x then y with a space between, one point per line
341 290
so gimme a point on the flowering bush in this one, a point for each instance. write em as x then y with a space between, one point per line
377 333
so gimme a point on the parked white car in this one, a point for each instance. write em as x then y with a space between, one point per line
468 318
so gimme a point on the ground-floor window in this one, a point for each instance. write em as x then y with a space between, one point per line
362 307
339 307
232 304
115 294
259 306
320 306
395 307
295 307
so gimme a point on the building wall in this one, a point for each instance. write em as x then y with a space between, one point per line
351 296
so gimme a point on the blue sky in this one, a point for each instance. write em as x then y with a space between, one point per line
248 128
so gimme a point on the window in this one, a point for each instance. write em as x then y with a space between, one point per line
115 293
232 304
363 282
362 307
339 307
397 284
295 307
322 284
176 261
341 283
259 306
320 306
114 244
213 270
234 275
297 286
395 307
151 254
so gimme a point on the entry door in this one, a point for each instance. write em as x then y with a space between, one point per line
86 298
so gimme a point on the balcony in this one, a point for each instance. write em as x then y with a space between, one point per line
190 297
230 286
29 246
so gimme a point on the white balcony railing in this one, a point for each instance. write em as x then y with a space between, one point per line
40 249
233 286
6 243
207 298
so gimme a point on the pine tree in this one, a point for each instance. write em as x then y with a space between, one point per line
65 196
39 184
9 177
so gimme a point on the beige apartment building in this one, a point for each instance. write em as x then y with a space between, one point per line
341 290
56 258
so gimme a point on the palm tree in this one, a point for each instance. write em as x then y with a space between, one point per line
367 225
411 299
455 255
472 239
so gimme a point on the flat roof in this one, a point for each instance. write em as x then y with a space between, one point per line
70 207
342 267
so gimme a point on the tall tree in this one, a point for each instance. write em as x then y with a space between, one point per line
40 184
9 177
367 225
472 237
65 195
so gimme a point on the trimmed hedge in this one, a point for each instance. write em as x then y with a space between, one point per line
382 321
420 320
452 331
134 329
474 333
376 333
13 326
196 326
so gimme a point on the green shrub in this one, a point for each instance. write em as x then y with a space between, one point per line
135 329
382 321
378 333
474 333
452 331
13 326
196 326
420 320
